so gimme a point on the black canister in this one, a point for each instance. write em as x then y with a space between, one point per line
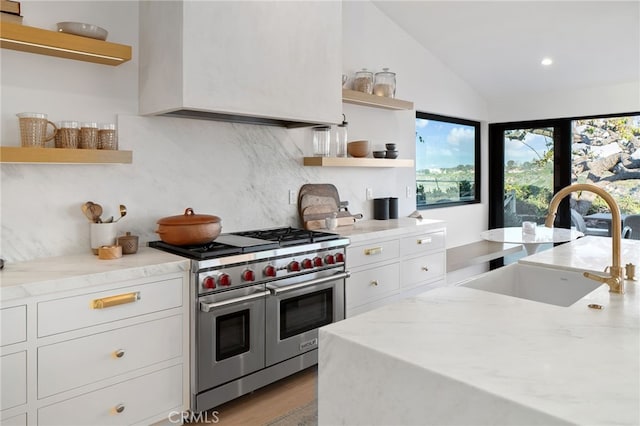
393 207
381 208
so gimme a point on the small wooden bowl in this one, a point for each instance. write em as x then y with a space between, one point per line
109 252
358 148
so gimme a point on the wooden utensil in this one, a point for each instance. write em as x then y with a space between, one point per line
123 212
85 210
96 212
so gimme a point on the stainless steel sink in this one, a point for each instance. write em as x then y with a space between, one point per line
546 285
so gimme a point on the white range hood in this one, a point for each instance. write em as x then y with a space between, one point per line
273 63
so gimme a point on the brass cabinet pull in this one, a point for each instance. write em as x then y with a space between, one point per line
119 408
424 240
120 299
425 268
372 251
374 283
119 353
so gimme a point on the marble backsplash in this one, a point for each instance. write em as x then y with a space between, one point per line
241 173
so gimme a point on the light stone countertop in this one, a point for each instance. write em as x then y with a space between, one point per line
457 355
56 274
366 230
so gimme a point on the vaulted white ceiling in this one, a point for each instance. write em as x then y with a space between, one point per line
497 46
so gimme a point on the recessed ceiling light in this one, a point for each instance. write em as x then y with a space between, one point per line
546 61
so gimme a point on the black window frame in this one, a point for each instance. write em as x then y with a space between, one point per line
476 185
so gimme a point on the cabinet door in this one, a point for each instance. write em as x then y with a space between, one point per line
372 253
13 325
73 363
71 313
151 397
422 243
13 380
371 284
422 269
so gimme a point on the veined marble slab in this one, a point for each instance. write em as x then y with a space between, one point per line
462 356
365 230
55 274
586 254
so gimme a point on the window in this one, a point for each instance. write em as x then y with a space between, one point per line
447 161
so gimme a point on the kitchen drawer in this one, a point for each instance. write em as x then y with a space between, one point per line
13 325
371 253
371 284
73 363
422 269
13 380
71 313
152 395
19 420
422 243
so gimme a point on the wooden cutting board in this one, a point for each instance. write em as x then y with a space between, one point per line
310 194
320 224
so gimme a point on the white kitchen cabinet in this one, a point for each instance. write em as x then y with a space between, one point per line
269 62
387 269
111 353
13 325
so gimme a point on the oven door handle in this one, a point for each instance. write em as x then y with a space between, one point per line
279 290
207 307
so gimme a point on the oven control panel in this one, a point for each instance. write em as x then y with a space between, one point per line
264 271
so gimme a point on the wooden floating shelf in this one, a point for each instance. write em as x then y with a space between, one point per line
52 43
10 154
356 162
365 99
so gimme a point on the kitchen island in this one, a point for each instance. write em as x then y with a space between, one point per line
457 355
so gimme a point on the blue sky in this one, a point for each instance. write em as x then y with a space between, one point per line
446 144
522 152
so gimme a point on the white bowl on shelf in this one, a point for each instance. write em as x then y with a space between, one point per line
81 29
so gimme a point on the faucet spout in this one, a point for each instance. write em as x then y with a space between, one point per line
616 279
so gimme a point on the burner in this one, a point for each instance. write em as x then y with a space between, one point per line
289 236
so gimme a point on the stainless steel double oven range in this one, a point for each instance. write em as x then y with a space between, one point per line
258 299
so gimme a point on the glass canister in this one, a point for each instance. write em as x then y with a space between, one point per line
385 83
363 81
340 140
321 141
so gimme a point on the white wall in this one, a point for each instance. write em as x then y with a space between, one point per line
619 98
241 173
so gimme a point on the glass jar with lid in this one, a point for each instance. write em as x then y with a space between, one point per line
385 83
363 81
321 141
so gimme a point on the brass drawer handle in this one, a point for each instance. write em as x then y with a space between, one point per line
424 241
119 408
119 353
374 283
372 251
120 299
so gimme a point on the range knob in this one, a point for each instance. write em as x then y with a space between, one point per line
307 264
293 266
317 261
248 275
269 271
224 280
340 257
209 282
329 259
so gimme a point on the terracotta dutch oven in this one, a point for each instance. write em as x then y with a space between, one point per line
189 228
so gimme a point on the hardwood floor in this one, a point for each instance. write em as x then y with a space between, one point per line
269 402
